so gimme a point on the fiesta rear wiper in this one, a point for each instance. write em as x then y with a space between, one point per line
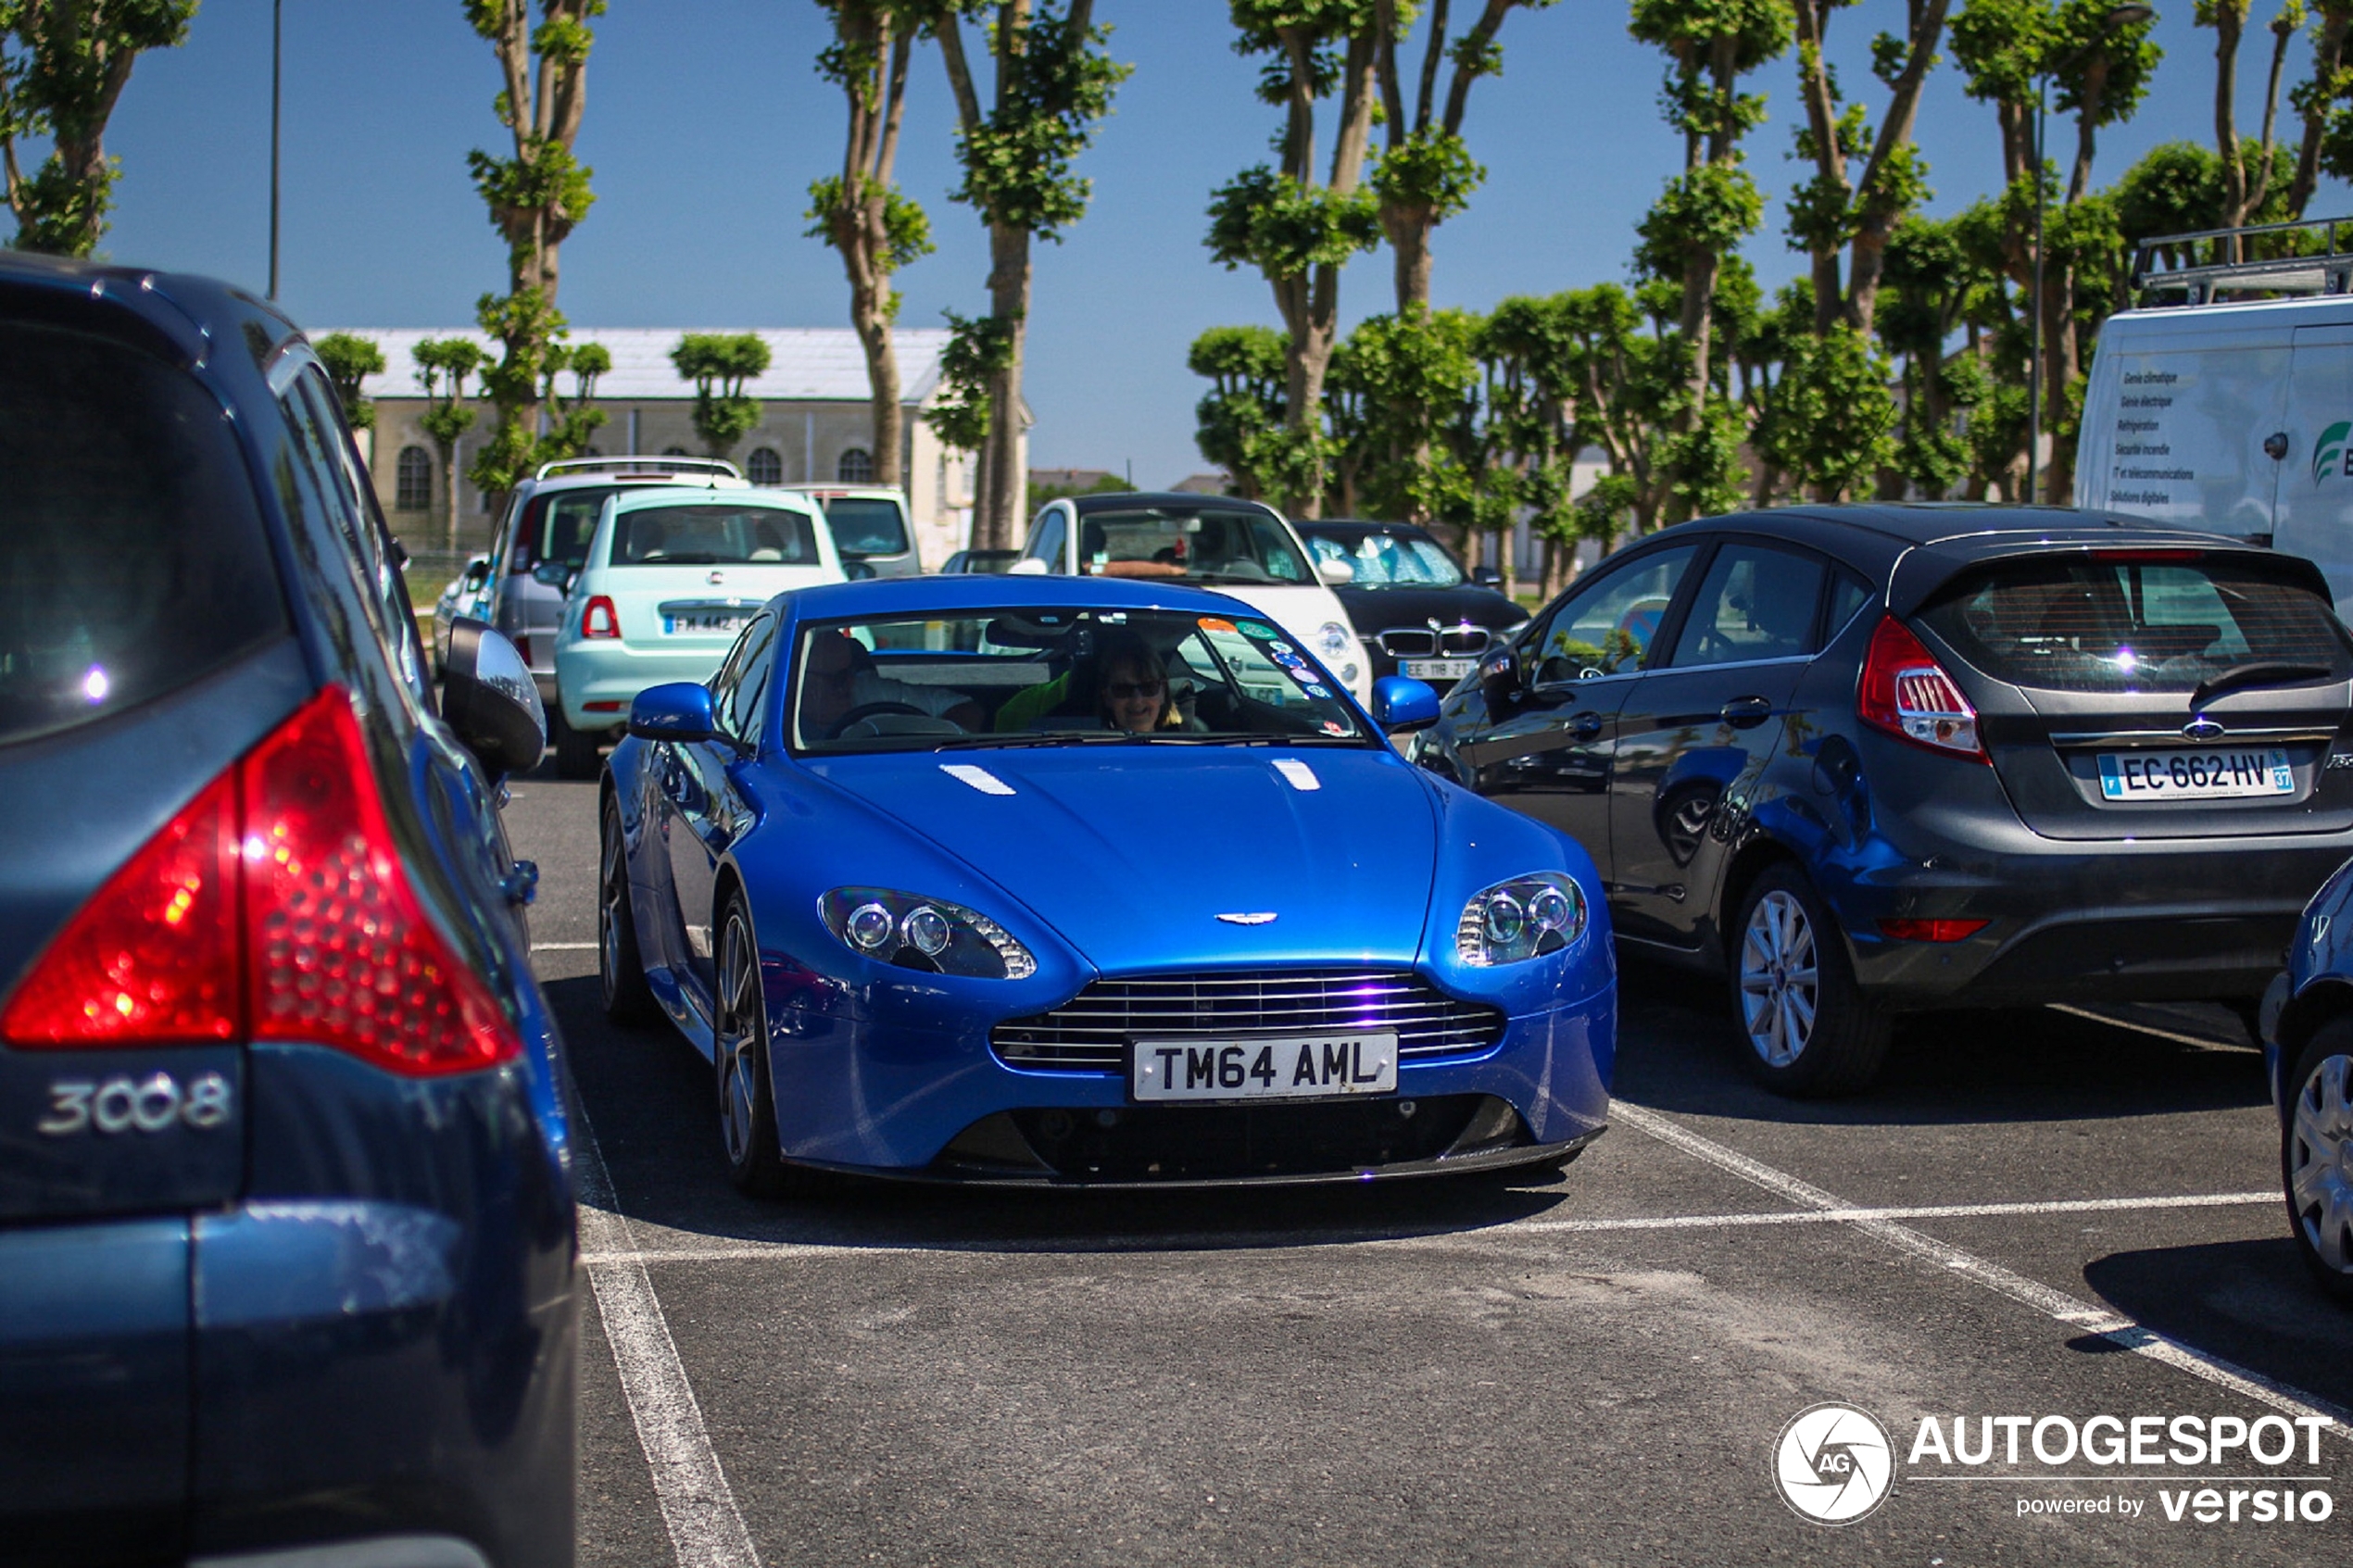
2258 672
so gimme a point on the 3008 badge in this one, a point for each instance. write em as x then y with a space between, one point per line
123 1104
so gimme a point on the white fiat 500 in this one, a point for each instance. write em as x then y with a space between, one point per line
672 574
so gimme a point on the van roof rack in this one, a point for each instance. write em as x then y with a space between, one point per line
640 465
2167 264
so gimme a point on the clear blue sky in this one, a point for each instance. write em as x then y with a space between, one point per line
705 123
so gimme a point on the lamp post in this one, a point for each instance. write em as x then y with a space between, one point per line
277 16
2121 16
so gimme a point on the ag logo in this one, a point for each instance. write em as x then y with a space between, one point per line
2330 450
1833 1464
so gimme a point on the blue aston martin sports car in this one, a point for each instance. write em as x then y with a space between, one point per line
1089 881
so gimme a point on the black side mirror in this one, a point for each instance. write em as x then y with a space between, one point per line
554 574
1486 577
1500 677
477 572
489 698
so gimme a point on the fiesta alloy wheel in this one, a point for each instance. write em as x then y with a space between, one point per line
1810 1028
747 1099
2316 1156
619 969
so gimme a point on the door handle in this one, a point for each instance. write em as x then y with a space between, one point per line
1746 712
1585 726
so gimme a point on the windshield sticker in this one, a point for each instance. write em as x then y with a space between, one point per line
1258 628
1312 689
1211 623
1334 727
1282 650
1289 661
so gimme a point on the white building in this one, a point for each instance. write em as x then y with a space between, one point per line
816 423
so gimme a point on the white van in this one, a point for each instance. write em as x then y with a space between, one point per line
2232 417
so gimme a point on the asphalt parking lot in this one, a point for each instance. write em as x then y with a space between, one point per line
2037 1214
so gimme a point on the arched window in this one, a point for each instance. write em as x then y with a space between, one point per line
412 482
857 467
764 467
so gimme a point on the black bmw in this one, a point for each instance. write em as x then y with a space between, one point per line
1867 760
1414 608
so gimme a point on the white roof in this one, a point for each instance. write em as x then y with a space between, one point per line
813 364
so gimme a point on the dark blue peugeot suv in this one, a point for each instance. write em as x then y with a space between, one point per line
287 1259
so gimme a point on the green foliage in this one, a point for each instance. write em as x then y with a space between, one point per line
1051 92
1284 228
1109 484
1403 395
444 365
906 227
979 349
1831 422
350 360
1431 171
2081 35
2000 45
62 68
1712 209
1694 101
1245 402
719 364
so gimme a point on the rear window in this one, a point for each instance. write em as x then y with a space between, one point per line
866 526
2133 625
132 558
710 533
563 523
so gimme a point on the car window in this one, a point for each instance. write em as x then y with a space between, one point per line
866 525
2157 623
713 534
563 524
1052 675
1606 627
1388 559
326 486
133 556
1849 593
742 681
1754 603
1046 540
1213 543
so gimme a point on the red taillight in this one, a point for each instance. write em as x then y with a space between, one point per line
522 647
1906 693
600 619
275 906
1930 930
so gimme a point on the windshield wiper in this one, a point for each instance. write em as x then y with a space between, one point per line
2259 673
1049 738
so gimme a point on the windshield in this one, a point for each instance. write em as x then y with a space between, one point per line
1056 676
866 526
2134 626
1200 544
1388 558
713 534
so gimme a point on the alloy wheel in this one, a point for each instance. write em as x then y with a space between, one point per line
613 894
2320 1162
738 1039
1781 986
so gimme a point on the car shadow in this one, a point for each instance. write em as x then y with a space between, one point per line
2249 1302
649 1098
1680 1051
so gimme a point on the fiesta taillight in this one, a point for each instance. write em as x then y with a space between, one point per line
273 907
600 619
1905 692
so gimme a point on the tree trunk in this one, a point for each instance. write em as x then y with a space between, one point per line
1009 302
2227 19
1408 230
2328 54
449 492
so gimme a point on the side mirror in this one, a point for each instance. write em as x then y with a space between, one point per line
679 710
489 698
1500 680
477 572
1334 570
554 574
1486 577
1401 704
1028 565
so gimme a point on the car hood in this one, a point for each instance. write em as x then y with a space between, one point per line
1132 853
1378 609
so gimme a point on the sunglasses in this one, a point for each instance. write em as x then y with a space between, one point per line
1125 691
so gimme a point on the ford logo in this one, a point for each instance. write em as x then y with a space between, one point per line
2203 729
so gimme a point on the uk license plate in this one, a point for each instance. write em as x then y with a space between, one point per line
2196 776
731 622
1294 1067
1439 668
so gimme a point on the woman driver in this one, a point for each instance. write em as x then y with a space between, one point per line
1131 688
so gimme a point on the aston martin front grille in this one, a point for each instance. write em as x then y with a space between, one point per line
1090 1032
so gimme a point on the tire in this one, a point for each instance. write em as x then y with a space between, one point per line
1809 1028
739 1061
2313 1140
621 968
575 750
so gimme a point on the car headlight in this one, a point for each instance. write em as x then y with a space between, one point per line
1524 918
1332 639
915 932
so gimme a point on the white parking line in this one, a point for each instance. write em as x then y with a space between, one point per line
740 1252
2203 1045
696 1504
563 947
2115 1328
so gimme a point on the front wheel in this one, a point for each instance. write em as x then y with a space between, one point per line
2316 1156
1810 1028
746 1098
621 968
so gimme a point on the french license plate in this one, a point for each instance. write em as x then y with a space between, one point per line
729 621
1295 1067
1439 668
2194 776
